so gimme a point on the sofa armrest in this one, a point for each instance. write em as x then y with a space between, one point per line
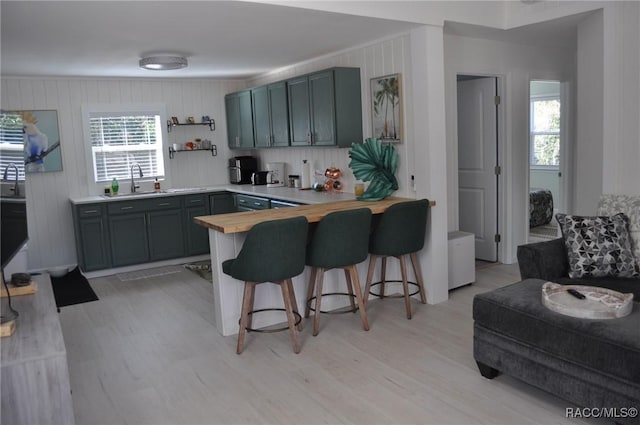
543 260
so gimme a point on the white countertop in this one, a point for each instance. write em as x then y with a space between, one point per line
282 193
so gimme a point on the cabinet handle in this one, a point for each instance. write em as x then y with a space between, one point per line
193 201
308 138
257 204
164 204
125 208
242 201
237 140
90 211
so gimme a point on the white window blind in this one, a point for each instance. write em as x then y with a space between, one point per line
120 140
11 144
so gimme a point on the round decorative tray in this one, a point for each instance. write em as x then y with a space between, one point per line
598 303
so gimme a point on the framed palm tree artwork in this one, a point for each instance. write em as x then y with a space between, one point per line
386 108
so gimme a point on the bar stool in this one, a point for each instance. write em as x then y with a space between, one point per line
339 242
398 233
273 251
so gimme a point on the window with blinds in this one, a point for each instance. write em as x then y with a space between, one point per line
11 144
118 141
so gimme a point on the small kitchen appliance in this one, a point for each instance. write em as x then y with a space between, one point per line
259 178
241 168
276 177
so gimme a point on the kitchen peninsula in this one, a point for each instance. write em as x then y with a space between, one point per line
226 236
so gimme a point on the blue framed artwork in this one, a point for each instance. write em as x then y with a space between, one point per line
42 151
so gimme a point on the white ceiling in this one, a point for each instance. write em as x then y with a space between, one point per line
222 39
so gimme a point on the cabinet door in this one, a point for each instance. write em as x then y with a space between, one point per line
93 244
299 119
166 238
246 119
196 236
232 108
261 119
239 119
128 235
221 203
323 129
279 114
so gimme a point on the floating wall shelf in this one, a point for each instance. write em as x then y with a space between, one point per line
210 123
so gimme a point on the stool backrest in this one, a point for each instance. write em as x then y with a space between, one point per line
340 239
401 229
272 251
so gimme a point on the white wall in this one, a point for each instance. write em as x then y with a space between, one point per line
621 99
588 164
517 65
51 235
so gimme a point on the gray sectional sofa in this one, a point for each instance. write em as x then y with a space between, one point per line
548 261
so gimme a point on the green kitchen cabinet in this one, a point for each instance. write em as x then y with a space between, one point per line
196 236
165 233
239 120
92 238
128 236
221 203
270 116
325 108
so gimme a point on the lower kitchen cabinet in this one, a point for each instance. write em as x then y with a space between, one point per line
166 238
128 236
196 236
127 232
222 203
92 238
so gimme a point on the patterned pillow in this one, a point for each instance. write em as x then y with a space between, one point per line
598 246
630 205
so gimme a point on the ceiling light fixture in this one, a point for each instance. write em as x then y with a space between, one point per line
163 63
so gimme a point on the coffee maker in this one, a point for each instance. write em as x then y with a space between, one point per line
241 168
275 176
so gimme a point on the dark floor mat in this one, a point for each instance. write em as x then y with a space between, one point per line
72 288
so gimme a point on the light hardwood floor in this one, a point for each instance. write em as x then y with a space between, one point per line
147 353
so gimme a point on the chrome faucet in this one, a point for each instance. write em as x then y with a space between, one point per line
133 182
16 188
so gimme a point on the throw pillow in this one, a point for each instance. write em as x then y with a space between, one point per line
598 246
629 205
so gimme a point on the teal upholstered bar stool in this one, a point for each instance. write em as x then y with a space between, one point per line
400 232
340 241
273 251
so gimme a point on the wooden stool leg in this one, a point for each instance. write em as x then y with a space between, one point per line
316 315
244 315
358 290
347 277
252 297
310 288
294 302
383 275
405 285
367 288
418 274
286 297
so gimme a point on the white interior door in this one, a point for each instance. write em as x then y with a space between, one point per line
477 160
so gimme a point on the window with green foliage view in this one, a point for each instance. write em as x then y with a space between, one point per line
545 132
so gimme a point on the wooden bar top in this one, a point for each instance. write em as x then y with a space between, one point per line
244 221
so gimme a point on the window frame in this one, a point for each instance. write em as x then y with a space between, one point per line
532 133
89 110
18 149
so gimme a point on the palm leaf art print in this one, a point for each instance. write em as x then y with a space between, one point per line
372 161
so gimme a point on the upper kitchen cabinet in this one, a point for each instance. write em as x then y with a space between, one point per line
270 116
239 120
325 108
